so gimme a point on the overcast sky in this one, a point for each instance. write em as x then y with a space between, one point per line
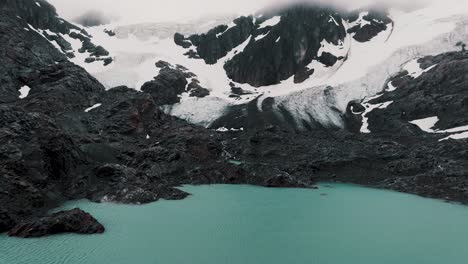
135 11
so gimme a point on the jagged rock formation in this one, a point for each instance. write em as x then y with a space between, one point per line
283 43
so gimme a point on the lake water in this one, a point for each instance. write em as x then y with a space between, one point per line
221 224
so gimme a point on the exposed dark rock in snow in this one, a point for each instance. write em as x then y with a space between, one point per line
167 86
111 33
180 40
171 82
196 90
301 29
282 43
368 24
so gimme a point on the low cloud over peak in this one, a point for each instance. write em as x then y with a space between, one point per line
137 11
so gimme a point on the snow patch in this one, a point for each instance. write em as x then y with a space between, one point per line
360 21
202 111
332 19
92 108
259 37
414 69
37 3
369 108
224 129
463 135
390 87
454 130
426 124
24 92
41 32
270 22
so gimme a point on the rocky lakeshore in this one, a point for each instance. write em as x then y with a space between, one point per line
69 138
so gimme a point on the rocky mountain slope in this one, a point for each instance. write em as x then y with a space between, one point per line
66 136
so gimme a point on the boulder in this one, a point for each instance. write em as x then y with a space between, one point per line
72 221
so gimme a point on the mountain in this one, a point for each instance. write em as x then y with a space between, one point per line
258 60
287 97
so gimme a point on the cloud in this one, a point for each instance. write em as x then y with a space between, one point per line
137 11
155 10
92 18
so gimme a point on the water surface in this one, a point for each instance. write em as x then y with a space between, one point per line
251 225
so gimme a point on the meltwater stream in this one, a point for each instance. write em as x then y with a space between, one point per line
222 224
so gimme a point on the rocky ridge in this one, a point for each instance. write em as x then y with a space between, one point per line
285 42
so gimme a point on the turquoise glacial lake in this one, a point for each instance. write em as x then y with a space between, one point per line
223 224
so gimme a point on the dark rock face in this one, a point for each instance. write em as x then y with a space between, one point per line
196 90
42 17
171 82
60 87
73 221
210 47
38 160
300 33
276 52
167 86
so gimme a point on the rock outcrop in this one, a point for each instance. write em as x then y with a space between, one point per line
73 221
171 82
